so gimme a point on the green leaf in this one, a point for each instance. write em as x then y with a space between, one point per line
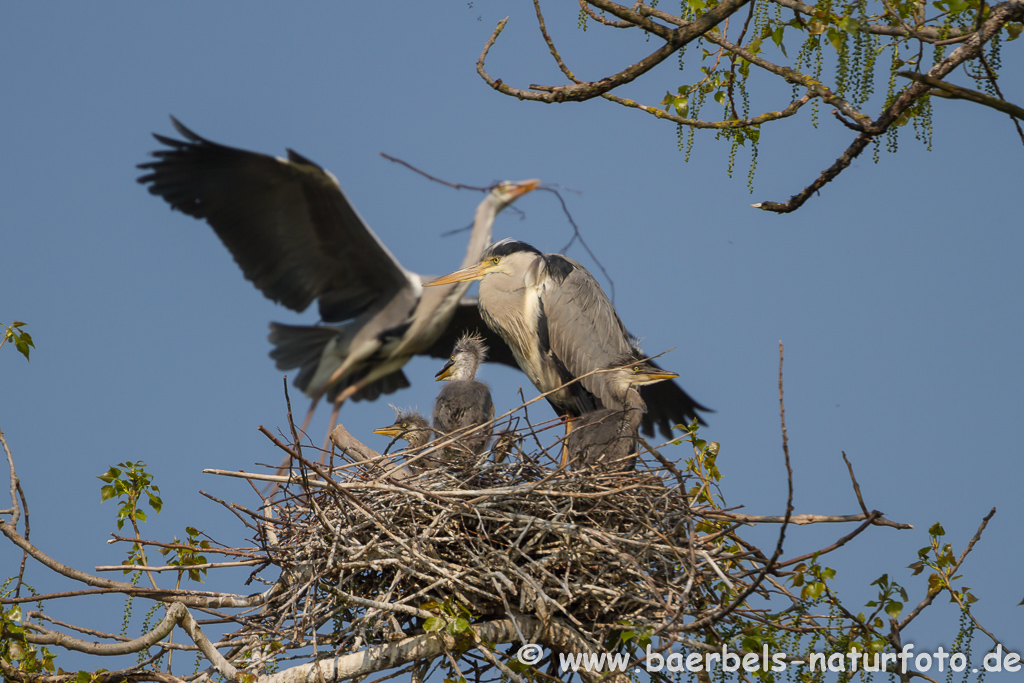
836 38
457 626
433 624
23 345
14 614
849 24
112 474
106 493
936 530
893 608
814 590
1014 31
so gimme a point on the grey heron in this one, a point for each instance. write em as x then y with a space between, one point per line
464 402
609 435
561 326
296 236
409 426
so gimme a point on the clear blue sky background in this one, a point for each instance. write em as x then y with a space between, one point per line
897 291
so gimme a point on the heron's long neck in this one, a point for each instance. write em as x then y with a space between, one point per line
631 400
465 367
480 238
417 437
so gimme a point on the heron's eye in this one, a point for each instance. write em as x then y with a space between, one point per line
405 425
636 368
495 260
452 359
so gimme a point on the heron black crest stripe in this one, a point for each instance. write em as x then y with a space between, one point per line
509 246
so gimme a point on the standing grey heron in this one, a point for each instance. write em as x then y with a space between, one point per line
464 402
609 435
297 238
561 326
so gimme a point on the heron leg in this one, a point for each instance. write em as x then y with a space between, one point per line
330 428
565 445
309 415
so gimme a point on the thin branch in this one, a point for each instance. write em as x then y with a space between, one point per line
960 560
958 92
580 92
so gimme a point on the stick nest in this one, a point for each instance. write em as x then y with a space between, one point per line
602 551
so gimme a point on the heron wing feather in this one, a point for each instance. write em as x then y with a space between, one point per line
286 222
584 331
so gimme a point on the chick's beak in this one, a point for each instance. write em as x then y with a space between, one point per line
387 431
663 375
659 376
445 372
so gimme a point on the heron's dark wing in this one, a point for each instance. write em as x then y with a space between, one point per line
586 333
583 329
286 222
668 405
467 319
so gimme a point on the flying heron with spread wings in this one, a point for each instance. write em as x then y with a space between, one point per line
297 237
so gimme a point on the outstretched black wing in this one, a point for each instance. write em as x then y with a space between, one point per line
286 222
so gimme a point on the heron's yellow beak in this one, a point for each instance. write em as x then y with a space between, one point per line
388 431
465 275
445 372
660 375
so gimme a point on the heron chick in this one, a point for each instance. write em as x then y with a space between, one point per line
609 435
464 402
561 326
408 426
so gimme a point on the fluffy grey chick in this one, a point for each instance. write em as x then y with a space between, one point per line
610 434
464 401
409 426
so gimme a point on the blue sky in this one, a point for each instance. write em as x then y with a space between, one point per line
897 291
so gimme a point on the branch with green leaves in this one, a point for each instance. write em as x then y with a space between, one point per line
21 339
855 34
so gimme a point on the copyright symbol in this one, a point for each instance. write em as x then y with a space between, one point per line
530 654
